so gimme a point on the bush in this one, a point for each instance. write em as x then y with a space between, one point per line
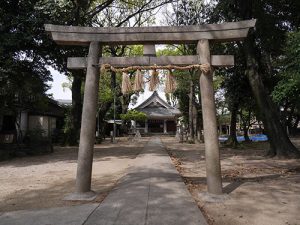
36 142
134 115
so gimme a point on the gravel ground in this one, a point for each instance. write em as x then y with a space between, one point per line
261 191
42 181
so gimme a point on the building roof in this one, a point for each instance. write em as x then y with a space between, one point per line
155 107
64 102
114 121
51 108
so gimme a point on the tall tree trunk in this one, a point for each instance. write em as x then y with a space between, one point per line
125 100
280 144
247 124
195 121
191 104
113 81
232 140
101 114
245 131
199 115
76 109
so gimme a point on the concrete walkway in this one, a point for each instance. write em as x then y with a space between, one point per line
152 193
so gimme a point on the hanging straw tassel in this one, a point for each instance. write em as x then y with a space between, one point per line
139 81
102 69
170 85
205 68
154 81
126 85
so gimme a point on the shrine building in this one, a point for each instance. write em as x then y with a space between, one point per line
161 116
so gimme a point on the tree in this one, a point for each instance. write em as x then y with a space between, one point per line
247 118
260 48
134 115
236 87
99 13
287 91
25 50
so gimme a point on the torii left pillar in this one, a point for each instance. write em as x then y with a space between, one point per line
88 125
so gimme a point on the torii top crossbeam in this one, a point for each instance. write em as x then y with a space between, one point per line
74 35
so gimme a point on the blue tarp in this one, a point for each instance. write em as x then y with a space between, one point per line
257 137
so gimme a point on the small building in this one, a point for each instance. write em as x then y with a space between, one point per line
46 119
161 116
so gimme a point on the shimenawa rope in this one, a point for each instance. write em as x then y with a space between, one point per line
203 67
170 85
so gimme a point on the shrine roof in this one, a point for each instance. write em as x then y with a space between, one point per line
160 112
155 107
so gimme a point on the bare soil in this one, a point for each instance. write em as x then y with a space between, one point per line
42 181
261 191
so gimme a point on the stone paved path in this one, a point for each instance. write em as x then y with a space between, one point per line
152 193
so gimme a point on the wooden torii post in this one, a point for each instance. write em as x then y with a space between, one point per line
96 37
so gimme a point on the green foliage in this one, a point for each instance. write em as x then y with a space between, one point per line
181 92
186 13
224 119
67 122
23 56
287 89
134 115
105 88
70 135
170 50
135 50
36 134
38 142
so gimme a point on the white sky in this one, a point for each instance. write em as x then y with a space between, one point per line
56 89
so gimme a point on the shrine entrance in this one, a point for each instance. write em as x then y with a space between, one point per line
155 126
97 37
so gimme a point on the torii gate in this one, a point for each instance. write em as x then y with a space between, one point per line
96 37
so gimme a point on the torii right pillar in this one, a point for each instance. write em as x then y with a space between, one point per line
212 152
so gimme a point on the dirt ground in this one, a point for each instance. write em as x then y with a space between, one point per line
42 181
260 191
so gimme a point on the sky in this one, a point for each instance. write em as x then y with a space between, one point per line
56 89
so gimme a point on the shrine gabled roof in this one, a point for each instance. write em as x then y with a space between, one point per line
155 101
155 107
